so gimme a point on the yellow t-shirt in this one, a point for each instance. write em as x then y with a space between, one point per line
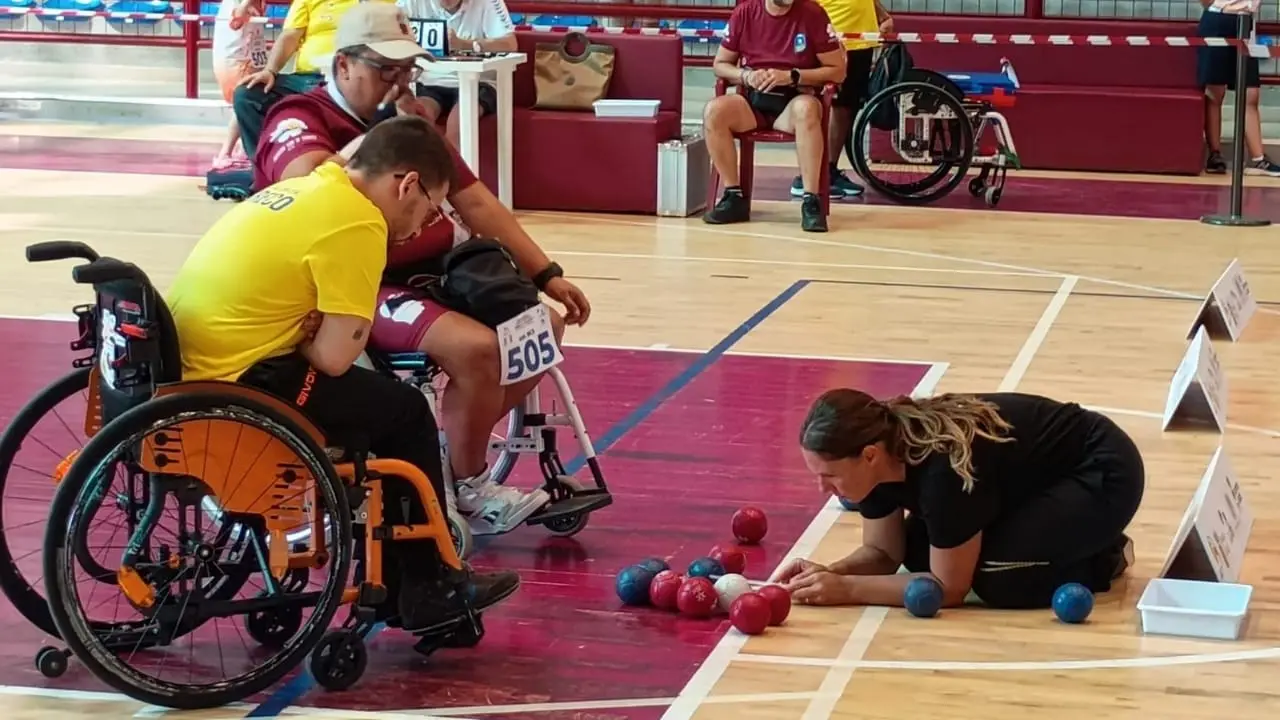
318 19
852 16
303 244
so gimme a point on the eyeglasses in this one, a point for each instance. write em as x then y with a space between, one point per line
390 73
435 213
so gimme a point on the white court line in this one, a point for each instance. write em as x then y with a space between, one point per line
697 691
910 253
1157 416
1038 334
1152 661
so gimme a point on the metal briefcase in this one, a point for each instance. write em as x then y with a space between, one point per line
684 169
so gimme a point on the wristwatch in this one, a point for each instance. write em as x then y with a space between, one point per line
795 77
548 274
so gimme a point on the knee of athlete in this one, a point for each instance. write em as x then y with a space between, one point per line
1251 97
807 115
557 324
479 362
715 114
1215 94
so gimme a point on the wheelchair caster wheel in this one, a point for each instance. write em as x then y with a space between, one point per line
51 662
339 660
993 196
977 187
272 628
460 531
568 526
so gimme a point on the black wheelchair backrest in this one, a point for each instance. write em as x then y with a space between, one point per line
137 342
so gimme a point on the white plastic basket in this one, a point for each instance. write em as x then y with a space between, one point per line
626 108
1193 608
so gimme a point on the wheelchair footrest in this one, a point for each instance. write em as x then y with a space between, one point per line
583 502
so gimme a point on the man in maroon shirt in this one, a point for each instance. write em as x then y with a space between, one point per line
777 52
326 125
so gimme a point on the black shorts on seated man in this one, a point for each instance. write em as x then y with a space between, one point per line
281 295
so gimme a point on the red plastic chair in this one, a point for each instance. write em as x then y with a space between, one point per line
747 152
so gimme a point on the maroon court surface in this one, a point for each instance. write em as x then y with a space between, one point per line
723 440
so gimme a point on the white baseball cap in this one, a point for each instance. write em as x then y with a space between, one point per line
382 27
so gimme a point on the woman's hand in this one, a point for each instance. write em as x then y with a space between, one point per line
822 588
797 569
576 307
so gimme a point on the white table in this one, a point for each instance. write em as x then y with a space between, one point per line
468 73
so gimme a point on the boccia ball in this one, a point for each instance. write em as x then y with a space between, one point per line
654 565
750 525
729 587
779 602
848 504
923 597
697 597
1072 603
632 585
750 613
731 559
664 589
705 567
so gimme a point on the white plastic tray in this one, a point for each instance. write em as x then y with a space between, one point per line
1194 609
626 108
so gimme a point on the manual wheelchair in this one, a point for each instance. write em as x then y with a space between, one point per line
269 521
934 122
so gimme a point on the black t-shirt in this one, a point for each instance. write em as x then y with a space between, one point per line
1049 441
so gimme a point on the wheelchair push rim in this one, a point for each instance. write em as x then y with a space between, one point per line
134 440
925 112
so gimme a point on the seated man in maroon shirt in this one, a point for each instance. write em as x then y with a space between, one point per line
778 52
327 123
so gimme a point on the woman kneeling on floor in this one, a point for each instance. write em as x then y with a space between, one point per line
1005 494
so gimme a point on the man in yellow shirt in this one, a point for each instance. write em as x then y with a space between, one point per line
309 33
315 247
850 16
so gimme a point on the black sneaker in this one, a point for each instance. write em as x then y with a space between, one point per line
811 217
427 606
841 185
1215 165
732 208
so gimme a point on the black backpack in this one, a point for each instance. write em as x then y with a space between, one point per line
477 278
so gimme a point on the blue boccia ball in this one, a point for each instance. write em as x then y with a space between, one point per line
1072 603
705 567
654 565
632 585
923 597
848 504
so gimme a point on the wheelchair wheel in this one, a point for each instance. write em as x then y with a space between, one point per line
31 482
932 140
282 479
504 460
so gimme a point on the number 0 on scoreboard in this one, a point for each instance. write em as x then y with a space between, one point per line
432 35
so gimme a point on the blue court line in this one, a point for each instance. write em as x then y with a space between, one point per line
303 683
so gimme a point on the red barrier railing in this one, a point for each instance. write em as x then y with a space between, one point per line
630 14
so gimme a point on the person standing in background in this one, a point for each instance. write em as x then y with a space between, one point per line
474 26
1216 73
850 16
239 50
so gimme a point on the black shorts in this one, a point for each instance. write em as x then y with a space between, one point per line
853 92
1216 66
447 98
1072 531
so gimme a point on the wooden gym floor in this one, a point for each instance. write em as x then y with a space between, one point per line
705 347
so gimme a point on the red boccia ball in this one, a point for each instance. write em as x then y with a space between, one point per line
779 602
733 560
697 597
664 589
750 525
750 613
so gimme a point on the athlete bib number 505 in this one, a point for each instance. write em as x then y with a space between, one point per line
527 345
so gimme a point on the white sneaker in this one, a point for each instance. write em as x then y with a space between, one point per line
501 507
